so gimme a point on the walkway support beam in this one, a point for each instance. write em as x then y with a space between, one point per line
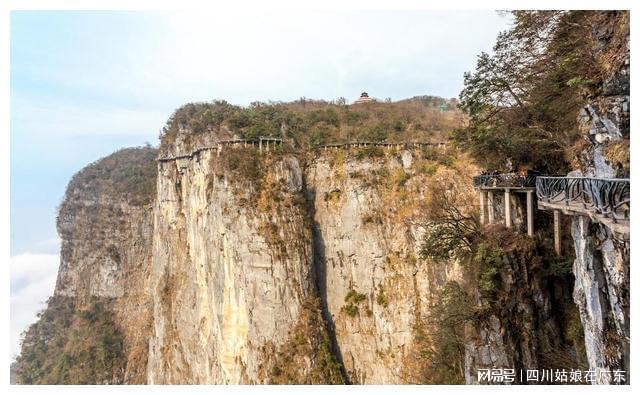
483 203
530 213
556 231
507 208
491 208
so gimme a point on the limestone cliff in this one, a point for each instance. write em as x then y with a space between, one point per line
283 267
238 265
242 247
101 303
367 210
525 317
232 268
535 325
602 261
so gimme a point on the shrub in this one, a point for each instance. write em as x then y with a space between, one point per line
400 177
369 152
307 342
332 196
235 161
437 355
68 345
351 310
488 260
381 298
371 218
430 168
128 174
352 300
307 123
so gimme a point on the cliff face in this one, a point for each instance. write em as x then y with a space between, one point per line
110 261
537 326
245 266
375 289
525 317
101 300
232 267
291 268
106 232
243 250
601 267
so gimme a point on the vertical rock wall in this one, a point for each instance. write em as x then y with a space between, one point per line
105 255
232 266
367 213
601 267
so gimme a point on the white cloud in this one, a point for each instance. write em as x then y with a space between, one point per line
33 278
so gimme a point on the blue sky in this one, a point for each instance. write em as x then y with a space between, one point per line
84 84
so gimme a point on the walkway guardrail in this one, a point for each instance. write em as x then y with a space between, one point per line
266 141
504 180
610 197
404 145
259 142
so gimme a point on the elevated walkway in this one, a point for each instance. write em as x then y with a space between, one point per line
603 200
507 183
267 143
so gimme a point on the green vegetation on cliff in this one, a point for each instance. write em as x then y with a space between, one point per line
307 123
71 344
507 279
128 174
523 100
307 356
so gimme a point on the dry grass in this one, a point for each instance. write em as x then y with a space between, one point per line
617 153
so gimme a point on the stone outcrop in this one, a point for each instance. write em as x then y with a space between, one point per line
237 266
525 317
601 267
602 295
106 228
106 249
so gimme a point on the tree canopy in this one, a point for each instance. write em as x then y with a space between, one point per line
523 99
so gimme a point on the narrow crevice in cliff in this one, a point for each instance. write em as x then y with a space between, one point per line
319 276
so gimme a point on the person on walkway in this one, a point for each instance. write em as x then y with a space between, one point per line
509 165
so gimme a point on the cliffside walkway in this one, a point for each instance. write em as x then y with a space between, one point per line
603 200
267 143
507 183
398 146
262 143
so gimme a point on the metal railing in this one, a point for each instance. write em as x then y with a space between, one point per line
610 197
504 180
278 141
221 143
405 145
